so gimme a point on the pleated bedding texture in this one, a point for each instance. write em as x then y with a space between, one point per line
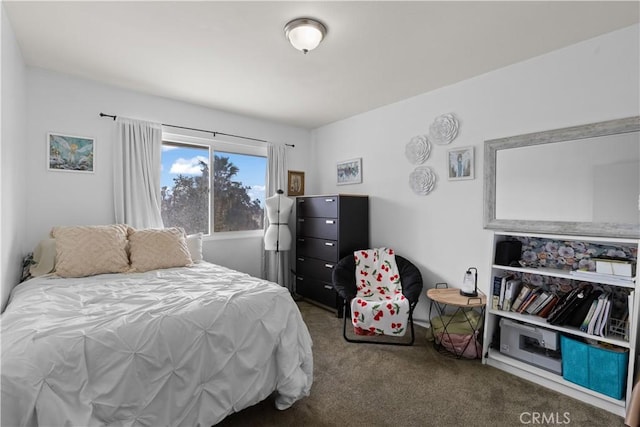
180 346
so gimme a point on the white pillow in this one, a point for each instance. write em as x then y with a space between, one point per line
152 249
44 257
88 250
194 244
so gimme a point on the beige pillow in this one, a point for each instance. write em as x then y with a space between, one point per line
89 250
152 249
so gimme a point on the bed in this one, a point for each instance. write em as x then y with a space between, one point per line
179 346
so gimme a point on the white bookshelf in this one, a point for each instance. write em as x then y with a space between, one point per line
493 357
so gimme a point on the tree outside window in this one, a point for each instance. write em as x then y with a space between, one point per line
238 196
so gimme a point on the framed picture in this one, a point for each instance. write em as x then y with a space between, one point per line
70 153
460 163
295 183
349 171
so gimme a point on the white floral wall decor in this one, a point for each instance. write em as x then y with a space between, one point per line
418 149
444 129
422 180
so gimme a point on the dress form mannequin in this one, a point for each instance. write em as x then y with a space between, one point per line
278 236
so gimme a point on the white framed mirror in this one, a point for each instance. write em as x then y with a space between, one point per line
581 180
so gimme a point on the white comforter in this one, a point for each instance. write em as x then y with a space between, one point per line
181 346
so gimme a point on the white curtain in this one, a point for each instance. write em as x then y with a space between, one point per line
275 265
137 173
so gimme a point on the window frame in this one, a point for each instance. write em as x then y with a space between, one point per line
214 144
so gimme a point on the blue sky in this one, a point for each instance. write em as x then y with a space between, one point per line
185 161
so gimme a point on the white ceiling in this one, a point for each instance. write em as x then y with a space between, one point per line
233 56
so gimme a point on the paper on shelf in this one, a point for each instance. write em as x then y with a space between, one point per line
610 278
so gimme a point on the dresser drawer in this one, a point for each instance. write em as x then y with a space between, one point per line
314 268
317 248
316 290
324 206
321 228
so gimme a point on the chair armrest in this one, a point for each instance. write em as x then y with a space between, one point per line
344 278
411 279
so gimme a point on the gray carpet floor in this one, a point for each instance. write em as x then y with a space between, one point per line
376 385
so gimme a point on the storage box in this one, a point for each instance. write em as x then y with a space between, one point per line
600 369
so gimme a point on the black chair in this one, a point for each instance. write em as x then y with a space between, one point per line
344 282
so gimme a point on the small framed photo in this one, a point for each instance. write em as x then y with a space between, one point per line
349 171
70 153
460 163
295 183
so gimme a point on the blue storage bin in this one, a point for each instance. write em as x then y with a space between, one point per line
599 369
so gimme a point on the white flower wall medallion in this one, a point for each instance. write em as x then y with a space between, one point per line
444 129
422 180
418 149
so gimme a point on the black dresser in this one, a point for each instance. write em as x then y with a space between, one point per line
327 229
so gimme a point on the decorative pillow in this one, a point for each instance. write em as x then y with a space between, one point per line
152 249
89 250
194 244
44 257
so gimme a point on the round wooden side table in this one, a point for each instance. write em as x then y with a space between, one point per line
443 298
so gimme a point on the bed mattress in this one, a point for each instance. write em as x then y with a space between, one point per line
180 346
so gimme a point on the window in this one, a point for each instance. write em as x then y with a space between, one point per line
237 179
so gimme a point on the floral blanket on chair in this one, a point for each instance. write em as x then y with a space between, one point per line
379 307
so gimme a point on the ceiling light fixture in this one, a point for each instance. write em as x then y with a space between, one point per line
305 34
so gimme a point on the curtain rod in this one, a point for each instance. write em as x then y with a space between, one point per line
214 133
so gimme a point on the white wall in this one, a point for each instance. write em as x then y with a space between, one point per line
68 105
13 160
442 232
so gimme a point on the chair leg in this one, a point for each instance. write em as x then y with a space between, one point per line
347 316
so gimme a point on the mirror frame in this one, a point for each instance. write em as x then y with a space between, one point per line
491 148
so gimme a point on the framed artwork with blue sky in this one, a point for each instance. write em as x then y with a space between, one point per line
70 153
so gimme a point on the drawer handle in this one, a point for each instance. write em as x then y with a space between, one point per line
300 278
329 200
300 219
300 240
329 265
329 244
300 259
329 221
301 200
328 287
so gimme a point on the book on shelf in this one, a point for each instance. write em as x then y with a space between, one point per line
597 314
496 290
548 307
512 287
525 290
503 288
550 297
533 295
584 326
539 301
630 306
604 318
